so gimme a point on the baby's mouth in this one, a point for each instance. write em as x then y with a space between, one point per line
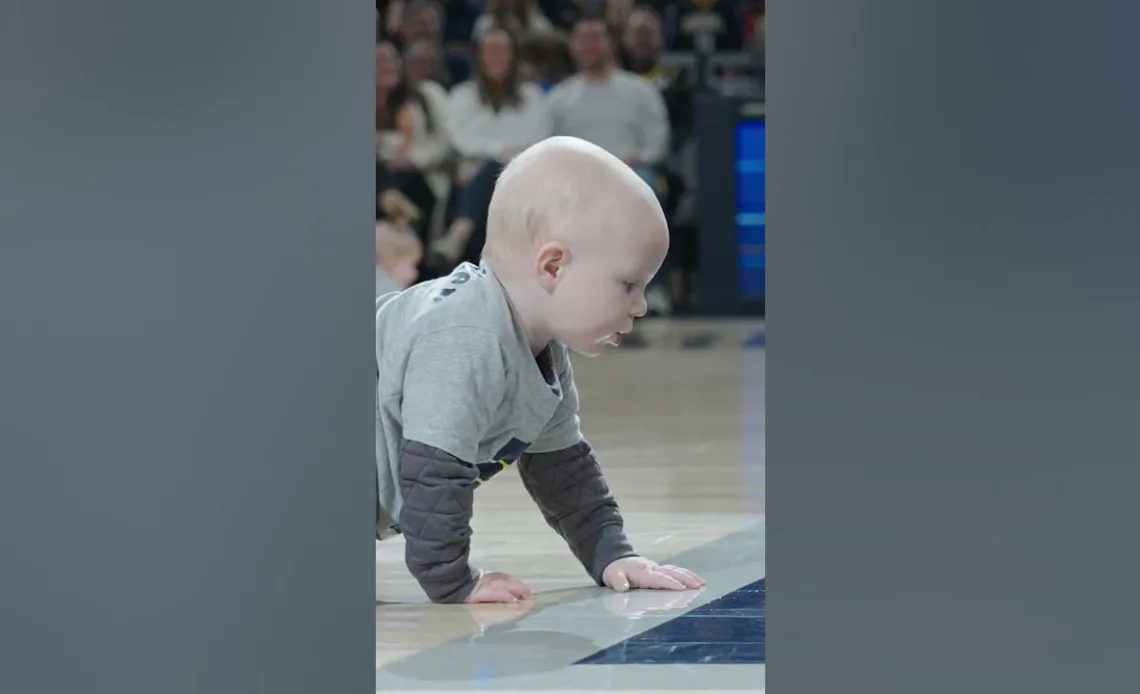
614 339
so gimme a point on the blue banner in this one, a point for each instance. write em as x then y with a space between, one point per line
749 160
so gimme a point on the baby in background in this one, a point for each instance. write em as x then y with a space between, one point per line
474 373
398 254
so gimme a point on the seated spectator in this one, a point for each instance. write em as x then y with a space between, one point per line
758 46
730 37
412 150
748 79
425 71
426 62
389 17
423 62
641 47
520 17
398 255
612 108
617 13
490 118
544 59
642 42
423 23
753 20
563 13
459 22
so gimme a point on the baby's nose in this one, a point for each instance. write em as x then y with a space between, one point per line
640 308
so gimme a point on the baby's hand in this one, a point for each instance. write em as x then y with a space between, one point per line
498 587
639 572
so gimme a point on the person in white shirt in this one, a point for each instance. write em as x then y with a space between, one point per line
491 117
413 150
517 16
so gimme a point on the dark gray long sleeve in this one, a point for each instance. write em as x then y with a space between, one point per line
435 519
575 500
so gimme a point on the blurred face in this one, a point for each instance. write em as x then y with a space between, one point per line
758 41
600 288
423 24
420 62
512 7
406 271
590 45
643 37
387 66
496 54
617 12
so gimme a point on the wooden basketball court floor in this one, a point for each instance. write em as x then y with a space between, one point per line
680 434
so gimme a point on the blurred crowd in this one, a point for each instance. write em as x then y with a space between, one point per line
463 85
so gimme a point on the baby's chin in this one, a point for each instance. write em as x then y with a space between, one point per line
593 350
597 347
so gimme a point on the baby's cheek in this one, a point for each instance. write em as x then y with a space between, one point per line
586 326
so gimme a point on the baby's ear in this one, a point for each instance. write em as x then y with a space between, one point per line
551 262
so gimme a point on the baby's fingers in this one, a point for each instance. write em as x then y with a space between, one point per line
517 589
492 593
689 579
658 580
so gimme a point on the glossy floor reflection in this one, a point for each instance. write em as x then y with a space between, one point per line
727 630
680 433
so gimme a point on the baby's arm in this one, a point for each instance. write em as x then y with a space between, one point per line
566 482
454 382
436 520
562 476
572 495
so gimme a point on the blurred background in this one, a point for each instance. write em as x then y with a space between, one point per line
673 87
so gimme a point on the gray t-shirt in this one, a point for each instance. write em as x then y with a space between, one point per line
455 372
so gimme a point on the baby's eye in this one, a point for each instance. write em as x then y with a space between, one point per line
629 287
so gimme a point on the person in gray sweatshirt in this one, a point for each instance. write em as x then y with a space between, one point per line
609 107
474 373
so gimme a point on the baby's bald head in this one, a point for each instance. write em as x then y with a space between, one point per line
574 235
568 190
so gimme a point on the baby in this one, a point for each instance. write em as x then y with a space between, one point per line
474 375
398 254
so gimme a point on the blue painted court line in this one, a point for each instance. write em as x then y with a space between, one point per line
726 631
